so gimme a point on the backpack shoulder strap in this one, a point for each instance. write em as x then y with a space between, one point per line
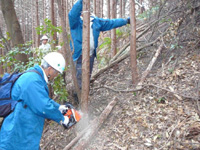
32 70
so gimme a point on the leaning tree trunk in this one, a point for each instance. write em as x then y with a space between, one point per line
133 54
85 57
13 26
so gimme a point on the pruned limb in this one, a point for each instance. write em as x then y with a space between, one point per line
146 72
92 129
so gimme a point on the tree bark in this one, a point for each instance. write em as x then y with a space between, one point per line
33 24
13 26
108 9
120 6
124 8
95 6
53 20
67 52
102 4
133 53
37 24
85 57
113 31
1 64
98 12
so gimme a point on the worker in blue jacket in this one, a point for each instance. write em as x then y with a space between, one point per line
96 26
22 129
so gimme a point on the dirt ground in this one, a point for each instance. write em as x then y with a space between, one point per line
150 119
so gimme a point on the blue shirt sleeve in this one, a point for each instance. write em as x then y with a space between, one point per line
37 99
108 24
75 13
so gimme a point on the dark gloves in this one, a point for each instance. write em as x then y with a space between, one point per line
128 20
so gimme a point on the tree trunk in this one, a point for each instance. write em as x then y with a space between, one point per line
113 32
102 4
37 24
53 20
124 8
120 9
133 53
33 25
67 52
95 6
1 64
98 12
85 57
13 26
108 9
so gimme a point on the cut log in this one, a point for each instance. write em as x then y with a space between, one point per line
86 135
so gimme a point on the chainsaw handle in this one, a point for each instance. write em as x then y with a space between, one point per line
69 105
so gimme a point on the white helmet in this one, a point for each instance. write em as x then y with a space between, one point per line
55 60
44 37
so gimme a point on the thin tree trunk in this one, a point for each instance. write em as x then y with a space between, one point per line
108 15
102 4
67 52
67 19
33 25
113 32
133 53
13 26
120 9
108 9
53 20
95 6
85 57
1 64
98 12
37 24
124 8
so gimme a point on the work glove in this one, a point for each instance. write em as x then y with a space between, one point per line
65 122
128 20
63 109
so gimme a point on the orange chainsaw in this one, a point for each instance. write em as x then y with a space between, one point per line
73 115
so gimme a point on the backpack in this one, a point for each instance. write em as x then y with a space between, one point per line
7 105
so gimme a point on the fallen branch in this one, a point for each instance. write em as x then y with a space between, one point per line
120 91
94 77
95 127
146 72
175 93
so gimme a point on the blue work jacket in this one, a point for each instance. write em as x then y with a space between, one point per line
22 129
99 24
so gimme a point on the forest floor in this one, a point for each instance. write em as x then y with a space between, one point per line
151 119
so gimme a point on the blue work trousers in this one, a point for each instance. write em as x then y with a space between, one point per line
78 64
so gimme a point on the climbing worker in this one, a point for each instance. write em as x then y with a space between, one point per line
45 47
96 25
22 129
